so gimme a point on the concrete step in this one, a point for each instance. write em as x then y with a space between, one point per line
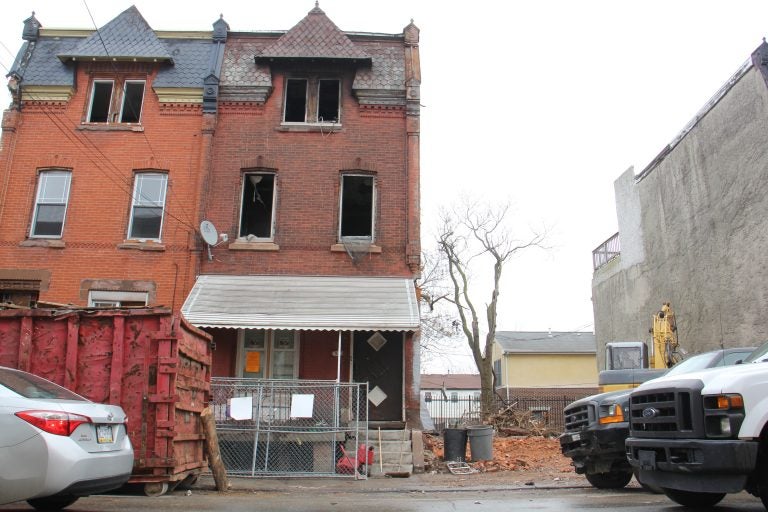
377 470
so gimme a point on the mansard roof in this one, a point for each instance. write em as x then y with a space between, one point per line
314 37
127 37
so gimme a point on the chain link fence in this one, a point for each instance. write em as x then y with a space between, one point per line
291 428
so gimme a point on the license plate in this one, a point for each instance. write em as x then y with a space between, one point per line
575 437
104 433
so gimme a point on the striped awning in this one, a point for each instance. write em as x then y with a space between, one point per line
303 302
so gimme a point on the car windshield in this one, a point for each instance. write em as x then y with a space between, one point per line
692 364
759 355
32 386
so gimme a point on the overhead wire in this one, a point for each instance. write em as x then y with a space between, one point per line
131 107
115 174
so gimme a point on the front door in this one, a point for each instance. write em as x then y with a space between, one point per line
378 360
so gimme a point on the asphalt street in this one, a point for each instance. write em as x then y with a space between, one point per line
312 499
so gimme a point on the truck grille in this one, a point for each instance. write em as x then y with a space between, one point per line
577 417
666 413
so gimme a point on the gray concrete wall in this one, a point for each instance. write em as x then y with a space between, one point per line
694 232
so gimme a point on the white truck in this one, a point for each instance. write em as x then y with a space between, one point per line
701 435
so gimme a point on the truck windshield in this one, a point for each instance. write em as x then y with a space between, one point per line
759 355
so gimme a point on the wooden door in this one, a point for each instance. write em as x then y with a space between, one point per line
378 360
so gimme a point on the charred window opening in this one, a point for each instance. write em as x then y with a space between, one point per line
296 101
328 101
312 100
258 205
133 96
357 203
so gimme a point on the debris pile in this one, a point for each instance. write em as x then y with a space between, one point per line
531 453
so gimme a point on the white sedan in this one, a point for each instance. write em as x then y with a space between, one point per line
56 446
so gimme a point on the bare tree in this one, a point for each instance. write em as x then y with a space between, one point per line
479 238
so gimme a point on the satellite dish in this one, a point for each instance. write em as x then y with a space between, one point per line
209 233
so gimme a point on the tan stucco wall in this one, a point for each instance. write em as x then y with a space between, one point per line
545 370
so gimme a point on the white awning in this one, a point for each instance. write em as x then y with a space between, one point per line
303 302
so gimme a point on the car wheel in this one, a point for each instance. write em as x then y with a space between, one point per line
694 499
52 502
612 480
155 489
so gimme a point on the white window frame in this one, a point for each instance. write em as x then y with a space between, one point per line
246 177
141 104
109 104
372 237
116 103
267 354
110 298
139 201
40 199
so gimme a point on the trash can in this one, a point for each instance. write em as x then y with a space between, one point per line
455 445
480 442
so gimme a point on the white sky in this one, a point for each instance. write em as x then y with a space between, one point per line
543 102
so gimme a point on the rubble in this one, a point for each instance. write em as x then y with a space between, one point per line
510 453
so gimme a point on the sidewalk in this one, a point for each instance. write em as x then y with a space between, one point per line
425 482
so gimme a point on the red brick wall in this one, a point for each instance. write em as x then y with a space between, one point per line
102 164
308 168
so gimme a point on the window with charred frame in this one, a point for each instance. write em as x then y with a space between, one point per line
312 100
258 205
357 207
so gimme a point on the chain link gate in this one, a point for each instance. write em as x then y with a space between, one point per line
291 427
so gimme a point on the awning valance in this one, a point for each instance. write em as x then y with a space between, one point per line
303 302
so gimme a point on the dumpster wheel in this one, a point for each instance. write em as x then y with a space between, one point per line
154 489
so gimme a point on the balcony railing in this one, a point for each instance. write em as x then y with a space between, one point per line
606 251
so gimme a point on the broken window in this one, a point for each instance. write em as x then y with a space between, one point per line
148 204
257 212
107 105
357 207
101 99
328 101
312 100
133 96
51 204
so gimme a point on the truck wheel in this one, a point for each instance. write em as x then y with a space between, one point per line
694 499
613 480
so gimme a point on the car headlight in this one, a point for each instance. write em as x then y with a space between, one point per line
611 414
723 415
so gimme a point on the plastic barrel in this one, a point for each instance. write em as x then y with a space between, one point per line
480 442
455 445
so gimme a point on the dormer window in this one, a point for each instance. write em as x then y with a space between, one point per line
109 105
312 100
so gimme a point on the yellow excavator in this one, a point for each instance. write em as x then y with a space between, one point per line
628 363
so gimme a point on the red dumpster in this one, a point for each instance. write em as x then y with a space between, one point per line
154 365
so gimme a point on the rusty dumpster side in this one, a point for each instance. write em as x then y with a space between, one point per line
153 364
